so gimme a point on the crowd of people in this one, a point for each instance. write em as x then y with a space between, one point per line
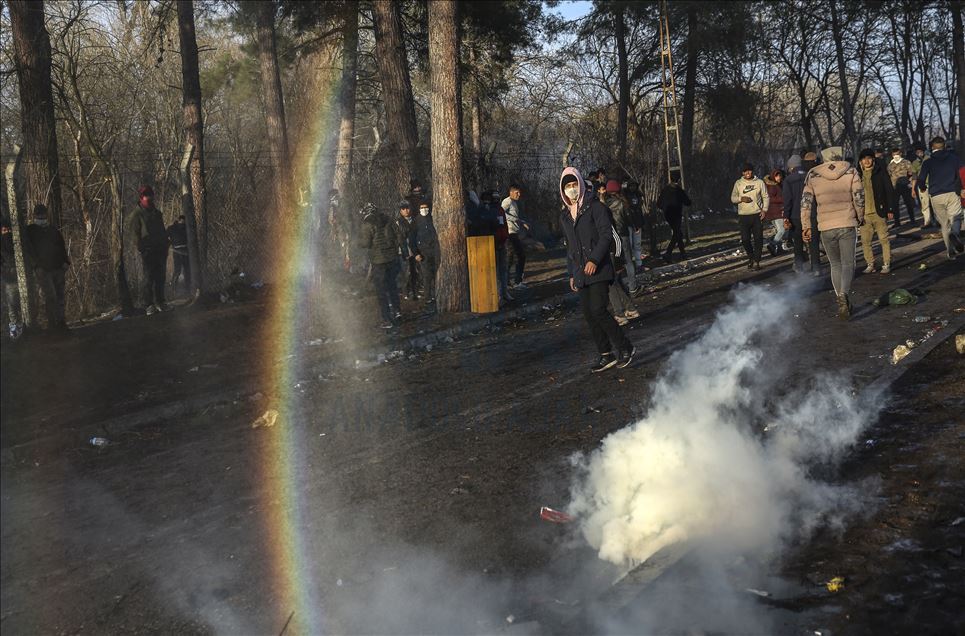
45 256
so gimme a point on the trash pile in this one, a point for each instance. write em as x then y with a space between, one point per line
902 350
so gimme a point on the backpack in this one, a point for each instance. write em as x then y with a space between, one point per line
616 246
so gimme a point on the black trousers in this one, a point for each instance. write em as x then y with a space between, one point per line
181 264
904 194
607 334
155 262
429 267
797 238
675 221
384 277
520 254
752 227
411 283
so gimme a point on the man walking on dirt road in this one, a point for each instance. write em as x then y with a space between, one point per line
586 224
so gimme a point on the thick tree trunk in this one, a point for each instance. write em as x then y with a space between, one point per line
396 91
193 124
847 107
31 44
958 46
475 124
346 129
447 186
690 85
623 72
274 102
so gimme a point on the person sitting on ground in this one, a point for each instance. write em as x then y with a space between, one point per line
50 262
750 196
879 201
836 189
149 237
672 200
379 236
586 224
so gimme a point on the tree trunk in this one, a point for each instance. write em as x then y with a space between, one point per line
475 119
396 91
623 72
447 186
958 46
193 125
690 85
31 44
346 130
847 106
274 102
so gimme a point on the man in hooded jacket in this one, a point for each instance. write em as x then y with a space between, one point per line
586 224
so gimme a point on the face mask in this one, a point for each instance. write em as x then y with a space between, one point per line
572 194
40 222
896 159
424 211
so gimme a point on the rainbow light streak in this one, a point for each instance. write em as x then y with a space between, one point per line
295 573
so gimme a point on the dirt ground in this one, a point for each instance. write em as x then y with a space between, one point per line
404 498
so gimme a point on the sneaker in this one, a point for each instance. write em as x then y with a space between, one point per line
397 316
508 297
844 307
606 361
621 320
15 331
150 309
521 285
386 325
633 314
870 269
886 269
772 249
163 307
626 357
750 265
816 273
956 243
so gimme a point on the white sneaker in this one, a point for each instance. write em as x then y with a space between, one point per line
150 309
633 314
886 269
870 269
621 320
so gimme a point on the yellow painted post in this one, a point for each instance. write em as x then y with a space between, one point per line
483 294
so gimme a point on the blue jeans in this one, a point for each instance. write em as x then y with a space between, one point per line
779 232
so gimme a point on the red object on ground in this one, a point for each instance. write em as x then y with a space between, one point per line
554 516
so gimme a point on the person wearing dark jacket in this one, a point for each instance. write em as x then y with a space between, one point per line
586 225
672 200
8 278
379 236
50 263
939 178
146 229
791 190
406 227
426 245
879 204
620 211
178 236
637 220
814 242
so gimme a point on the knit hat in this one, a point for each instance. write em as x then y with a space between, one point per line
833 153
404 205
568 178
867 152
794 161
612 185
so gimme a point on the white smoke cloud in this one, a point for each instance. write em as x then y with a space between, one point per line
726 451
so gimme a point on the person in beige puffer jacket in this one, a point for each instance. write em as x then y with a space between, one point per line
835 188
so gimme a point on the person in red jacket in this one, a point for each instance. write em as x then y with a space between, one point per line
775 210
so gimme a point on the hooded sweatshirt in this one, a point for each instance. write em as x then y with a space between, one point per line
589 233
939 173
835 188
753 188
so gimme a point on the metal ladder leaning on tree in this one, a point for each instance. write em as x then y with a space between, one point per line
675 158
